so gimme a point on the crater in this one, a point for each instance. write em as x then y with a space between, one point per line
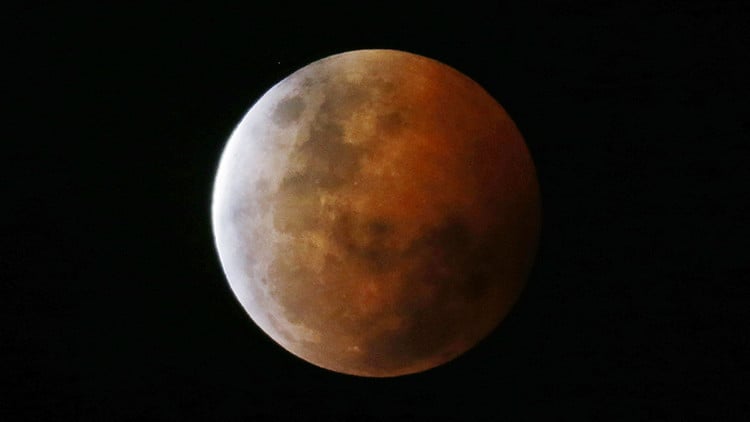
288 111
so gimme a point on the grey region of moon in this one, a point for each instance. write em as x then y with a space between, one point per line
376 213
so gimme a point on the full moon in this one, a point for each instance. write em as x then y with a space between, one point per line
376 213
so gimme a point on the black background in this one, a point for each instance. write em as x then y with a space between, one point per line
636 114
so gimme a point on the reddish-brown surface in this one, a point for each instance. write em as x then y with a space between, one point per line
376 213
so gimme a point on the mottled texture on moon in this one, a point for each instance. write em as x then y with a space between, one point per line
376 213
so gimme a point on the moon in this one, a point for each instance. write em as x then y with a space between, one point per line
376 213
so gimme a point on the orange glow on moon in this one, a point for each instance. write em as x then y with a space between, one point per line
376 213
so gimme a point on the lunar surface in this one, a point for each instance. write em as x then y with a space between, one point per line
376 213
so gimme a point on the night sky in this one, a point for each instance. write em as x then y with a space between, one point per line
115 306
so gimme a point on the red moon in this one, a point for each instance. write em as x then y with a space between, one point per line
376 213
